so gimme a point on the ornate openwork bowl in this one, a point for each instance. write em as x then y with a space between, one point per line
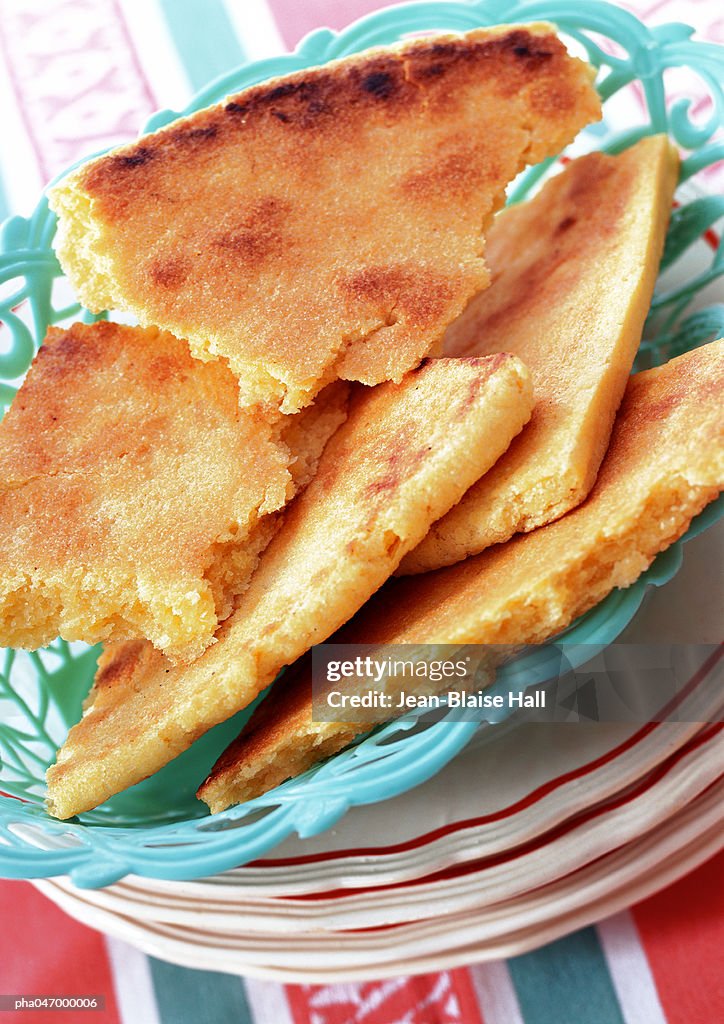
158 828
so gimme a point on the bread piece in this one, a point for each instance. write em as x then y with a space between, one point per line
573 271
135 494
405 454
329 223
664 464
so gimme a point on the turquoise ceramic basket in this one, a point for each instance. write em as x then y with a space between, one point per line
158 829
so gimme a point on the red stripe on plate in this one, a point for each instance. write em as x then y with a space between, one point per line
43 951
527 801
508 856
711 238
682 930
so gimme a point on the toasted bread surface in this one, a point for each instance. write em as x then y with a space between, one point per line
135 493
329 223
665 463
573 271
405 454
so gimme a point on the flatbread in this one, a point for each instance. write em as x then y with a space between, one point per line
573 271
665 463
405 454
135 493
329 223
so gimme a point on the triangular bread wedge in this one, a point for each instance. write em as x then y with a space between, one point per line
403 457
135 493
573 271
329 223
664 464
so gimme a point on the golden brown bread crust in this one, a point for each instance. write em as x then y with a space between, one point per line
405 454
279 742
327 224
133 490
554 260
664 464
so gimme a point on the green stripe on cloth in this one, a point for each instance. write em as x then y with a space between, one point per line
204 997
204 38
566 981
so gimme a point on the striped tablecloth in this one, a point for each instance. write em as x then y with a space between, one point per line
659 962
79 75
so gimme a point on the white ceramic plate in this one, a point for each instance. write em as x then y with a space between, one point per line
625 875
477 883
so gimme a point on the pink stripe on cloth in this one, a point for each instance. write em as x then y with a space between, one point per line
296 19
705 15
76 78
43 951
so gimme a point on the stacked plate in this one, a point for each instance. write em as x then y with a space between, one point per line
534 831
